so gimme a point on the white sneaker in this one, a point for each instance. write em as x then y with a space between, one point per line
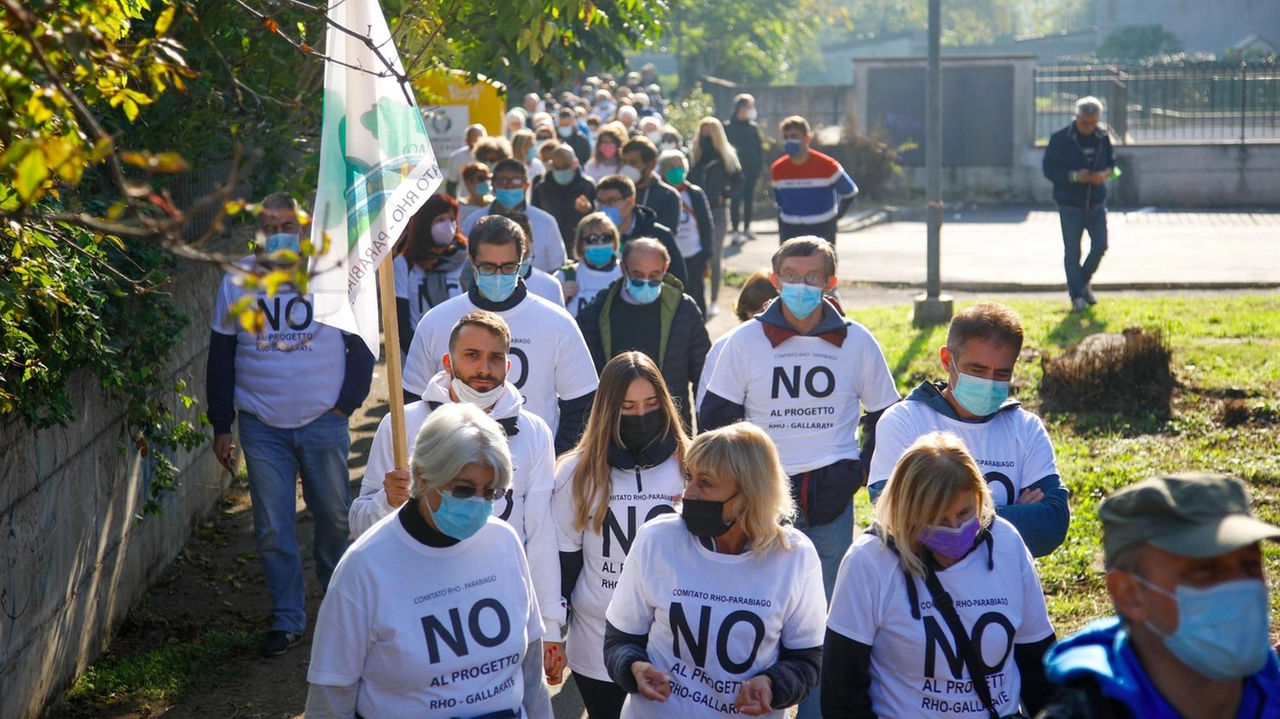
737 238
750 235
712 310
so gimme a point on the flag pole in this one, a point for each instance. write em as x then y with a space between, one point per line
391 343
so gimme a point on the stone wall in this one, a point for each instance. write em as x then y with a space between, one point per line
74 557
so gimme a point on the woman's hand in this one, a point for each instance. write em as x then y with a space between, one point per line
652 684
755 696
554 661
570 289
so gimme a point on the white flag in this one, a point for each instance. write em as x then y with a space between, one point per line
376 168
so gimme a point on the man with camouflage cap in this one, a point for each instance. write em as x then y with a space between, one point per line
1184 570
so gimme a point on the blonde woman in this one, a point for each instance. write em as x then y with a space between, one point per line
720 609
524 148
595 247
717 171
625 471
937 611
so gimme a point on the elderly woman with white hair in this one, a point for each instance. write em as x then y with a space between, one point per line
720 609
431 613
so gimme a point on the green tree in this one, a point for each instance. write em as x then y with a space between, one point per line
1139 41
745 41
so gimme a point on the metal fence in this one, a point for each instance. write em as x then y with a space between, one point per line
1183 102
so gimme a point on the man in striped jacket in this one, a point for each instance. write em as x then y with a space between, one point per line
811 189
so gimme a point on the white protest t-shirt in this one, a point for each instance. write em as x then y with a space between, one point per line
916 669
527 508
548 244
637 497
411 285
1012 448
291 372
591 282
714 620
545 286
713 356
687 238
549 358
428 631
805 393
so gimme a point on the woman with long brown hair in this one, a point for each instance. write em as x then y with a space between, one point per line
625 471
428 263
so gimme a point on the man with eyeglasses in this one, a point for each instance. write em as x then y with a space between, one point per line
510 185
802 371
616 198
646 310
475 371
550 363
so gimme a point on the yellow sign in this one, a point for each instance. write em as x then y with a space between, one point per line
449 103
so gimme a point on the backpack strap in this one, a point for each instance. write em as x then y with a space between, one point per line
943 602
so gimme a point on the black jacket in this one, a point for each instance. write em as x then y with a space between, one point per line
646 225
580 144
1064 155
714 178
702 215
558 199
684 338
662 199
745 138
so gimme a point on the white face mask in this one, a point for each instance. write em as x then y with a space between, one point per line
483 400
630 173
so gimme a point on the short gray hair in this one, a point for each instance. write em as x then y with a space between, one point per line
455 435
645 243
1089 106
563 152
806 246
672 158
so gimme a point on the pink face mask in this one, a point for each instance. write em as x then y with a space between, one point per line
608 152
442 233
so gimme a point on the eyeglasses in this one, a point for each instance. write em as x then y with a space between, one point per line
466 491
489 268
610 203
597 239
813 279
509 183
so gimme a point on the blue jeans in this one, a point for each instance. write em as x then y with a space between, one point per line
1074 223
832 542
274 458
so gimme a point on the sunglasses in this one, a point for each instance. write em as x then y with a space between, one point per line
466 491
597 239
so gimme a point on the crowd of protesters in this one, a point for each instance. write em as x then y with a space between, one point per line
595 486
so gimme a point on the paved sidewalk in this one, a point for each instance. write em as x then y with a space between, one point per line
1020 249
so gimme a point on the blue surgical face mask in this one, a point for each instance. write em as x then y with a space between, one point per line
496 287
483 188
793 147
510 199
800 299
282 241
565 131
598 255
526 267
461 518
562 177
1222 630
644 291
528 156
979 397
614 215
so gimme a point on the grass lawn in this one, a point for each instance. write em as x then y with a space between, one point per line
1224 348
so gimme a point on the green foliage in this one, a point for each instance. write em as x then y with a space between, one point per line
868 157
70 302
1224 347
685 115
1139 41
163 673
743 41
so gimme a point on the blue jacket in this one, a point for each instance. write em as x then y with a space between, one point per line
1065 156
1104 678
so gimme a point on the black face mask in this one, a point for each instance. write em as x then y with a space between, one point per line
638 431
705 517
708 144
